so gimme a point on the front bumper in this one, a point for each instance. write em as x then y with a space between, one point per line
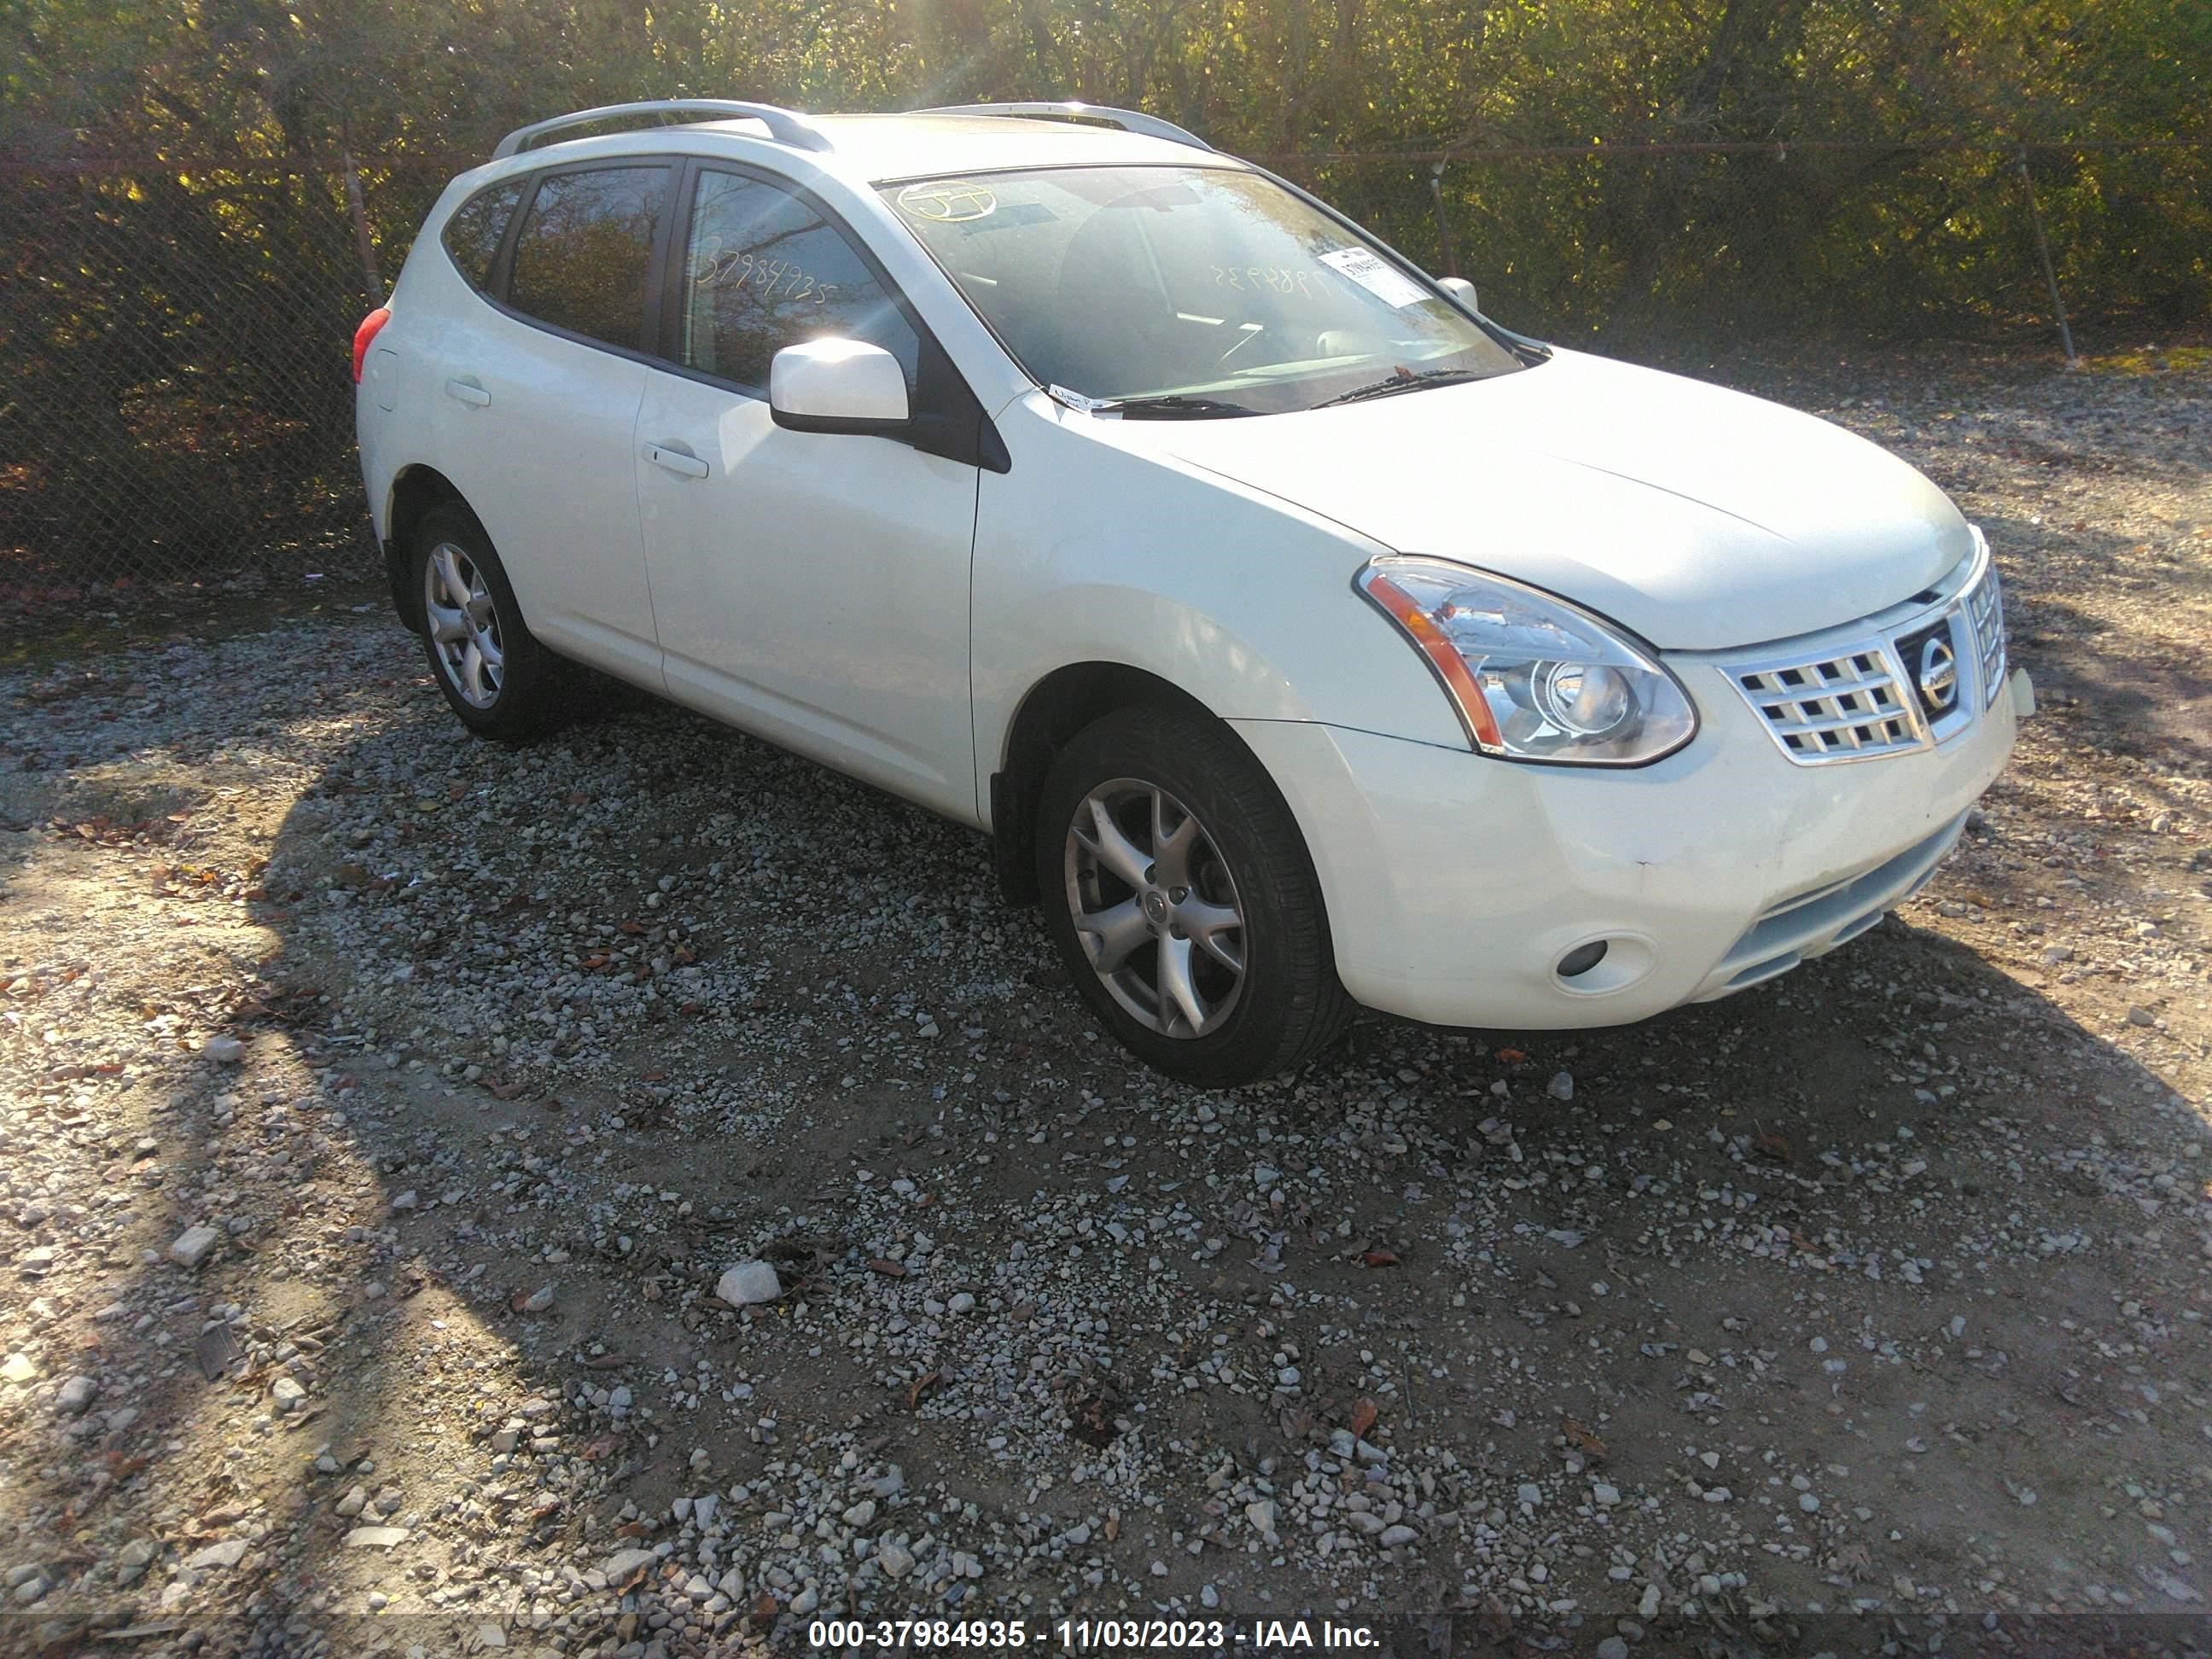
1455 884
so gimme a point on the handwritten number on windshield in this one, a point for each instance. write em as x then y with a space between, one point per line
1251 279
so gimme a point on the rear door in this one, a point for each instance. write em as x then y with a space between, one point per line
810 586
536 401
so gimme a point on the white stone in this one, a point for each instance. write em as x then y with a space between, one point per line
17 1368
225 1554
747 1283
75 1396
223 1050
375 1538
192 1245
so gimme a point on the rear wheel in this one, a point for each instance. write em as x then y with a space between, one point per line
498 678
1179 892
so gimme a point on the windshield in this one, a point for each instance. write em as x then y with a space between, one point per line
1214 289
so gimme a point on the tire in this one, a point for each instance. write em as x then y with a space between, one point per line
498 678
1264 986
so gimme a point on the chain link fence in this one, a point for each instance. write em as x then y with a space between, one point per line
175 406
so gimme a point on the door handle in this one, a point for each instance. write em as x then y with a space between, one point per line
468 392
675 460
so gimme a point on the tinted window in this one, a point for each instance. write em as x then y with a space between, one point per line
472 234
763 271
582 255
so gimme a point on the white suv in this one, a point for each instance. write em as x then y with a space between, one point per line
1302 637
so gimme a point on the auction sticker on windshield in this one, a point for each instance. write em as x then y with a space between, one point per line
1386 282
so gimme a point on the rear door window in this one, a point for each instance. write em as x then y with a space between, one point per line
584 252
473 234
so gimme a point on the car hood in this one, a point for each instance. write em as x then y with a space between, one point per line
1697 517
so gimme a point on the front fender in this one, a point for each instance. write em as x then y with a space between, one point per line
1098 545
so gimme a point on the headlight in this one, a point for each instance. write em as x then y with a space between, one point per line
1534 677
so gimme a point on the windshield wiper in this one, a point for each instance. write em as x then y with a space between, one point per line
1403 380
1172 406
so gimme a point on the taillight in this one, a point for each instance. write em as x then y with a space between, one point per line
361 336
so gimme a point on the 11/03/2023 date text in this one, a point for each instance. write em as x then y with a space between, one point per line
1091 1635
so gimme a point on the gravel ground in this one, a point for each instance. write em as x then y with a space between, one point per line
384 1114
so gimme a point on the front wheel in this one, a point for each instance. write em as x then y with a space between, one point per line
1178 891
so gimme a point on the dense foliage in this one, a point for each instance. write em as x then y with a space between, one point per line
1886 233
195 309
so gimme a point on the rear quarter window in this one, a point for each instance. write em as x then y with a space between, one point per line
473 234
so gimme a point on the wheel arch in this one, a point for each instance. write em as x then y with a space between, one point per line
1051 712
414 491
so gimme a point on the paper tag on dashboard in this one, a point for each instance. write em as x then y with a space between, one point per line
1386 282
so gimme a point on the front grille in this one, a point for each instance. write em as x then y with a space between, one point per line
1986 603
1885 693
1837 708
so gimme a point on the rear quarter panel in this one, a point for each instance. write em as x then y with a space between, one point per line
391 439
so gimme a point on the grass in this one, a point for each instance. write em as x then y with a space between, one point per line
2149 360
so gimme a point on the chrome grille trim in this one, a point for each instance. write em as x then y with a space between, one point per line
1859 699
1852 704
1985 613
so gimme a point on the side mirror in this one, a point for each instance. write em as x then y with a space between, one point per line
1460 288
837 386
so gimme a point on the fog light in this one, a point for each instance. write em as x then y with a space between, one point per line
1581 959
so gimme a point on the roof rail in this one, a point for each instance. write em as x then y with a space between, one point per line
1129 120
785 126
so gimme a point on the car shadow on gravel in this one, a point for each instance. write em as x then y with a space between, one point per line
587 1023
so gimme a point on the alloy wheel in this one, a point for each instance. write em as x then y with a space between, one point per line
1156 908
463 621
